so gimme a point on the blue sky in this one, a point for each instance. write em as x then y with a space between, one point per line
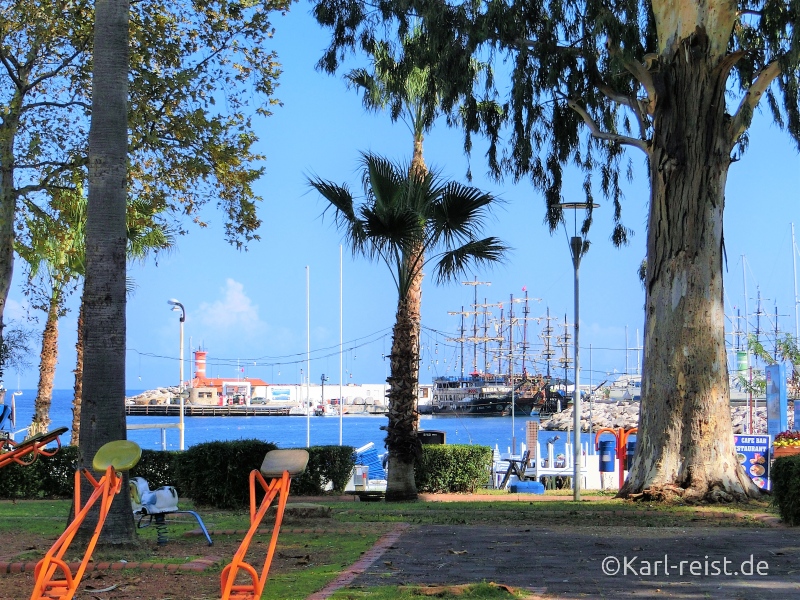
248 309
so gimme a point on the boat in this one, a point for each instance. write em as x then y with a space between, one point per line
476 394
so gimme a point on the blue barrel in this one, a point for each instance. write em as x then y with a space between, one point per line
629 455
607 456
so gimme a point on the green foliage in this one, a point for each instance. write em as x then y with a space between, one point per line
558 68
212 474
785 474
326 464
453 468
216 473
48 477
157 467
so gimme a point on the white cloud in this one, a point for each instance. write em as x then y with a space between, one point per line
234 313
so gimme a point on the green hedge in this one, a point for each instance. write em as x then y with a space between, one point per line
326 464
48 477
212 474
217 473
785 475
452 468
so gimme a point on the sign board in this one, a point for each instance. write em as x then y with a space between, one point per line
776 399
752 452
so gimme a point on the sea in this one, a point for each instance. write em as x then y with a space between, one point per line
504 433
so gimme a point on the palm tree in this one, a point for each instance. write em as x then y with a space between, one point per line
53 249
103 409
408 221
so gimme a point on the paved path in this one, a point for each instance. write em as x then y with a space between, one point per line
568 561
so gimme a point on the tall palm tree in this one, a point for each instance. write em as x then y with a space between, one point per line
103 410
407 221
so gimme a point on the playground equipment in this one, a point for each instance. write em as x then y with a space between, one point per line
279 466
623 455
111 459
157 505
25 453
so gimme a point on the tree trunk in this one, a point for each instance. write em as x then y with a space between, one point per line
76 402
401 432
685 439
48 359
103 408
8 206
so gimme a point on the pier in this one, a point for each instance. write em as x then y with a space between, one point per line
204 410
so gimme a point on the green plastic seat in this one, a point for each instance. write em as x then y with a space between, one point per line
120 454
278 461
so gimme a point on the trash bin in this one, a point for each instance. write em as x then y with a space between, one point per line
607 452
629 454
432 437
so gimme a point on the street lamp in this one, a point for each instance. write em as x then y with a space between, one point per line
177 306
576 250
323 378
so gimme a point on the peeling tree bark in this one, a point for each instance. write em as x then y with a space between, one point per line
685 438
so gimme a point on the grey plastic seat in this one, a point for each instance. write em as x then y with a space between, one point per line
277 461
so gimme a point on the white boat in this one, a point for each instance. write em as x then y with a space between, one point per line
625 387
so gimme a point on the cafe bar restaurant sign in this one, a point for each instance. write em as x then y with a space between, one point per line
752 452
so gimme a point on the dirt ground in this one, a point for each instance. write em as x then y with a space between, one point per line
152 581
569 561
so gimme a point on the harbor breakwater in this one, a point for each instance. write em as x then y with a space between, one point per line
626 414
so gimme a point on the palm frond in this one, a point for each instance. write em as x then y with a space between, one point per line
456 262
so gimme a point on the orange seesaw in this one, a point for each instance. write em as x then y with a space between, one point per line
25 453
111 459
279 466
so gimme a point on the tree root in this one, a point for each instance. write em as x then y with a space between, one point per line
672 493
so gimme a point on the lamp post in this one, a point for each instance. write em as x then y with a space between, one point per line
323 379
177 306
576 250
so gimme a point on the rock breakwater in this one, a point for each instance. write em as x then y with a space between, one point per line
626 414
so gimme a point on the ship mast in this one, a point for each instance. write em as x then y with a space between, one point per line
475 285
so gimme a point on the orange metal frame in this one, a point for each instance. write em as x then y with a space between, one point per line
278 486
46 586
25 453
622 439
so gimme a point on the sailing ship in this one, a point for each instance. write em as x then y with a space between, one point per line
509 389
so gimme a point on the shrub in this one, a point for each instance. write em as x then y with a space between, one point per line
452 468
57 473
158 467
217 473
48 476
326 464
786 488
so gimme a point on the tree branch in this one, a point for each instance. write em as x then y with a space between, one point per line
630 102
34 105
604 135
741 120
10 64
61 66
641 73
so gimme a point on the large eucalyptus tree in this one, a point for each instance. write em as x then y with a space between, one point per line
676 81
408 220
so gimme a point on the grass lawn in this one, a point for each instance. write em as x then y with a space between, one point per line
313 551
